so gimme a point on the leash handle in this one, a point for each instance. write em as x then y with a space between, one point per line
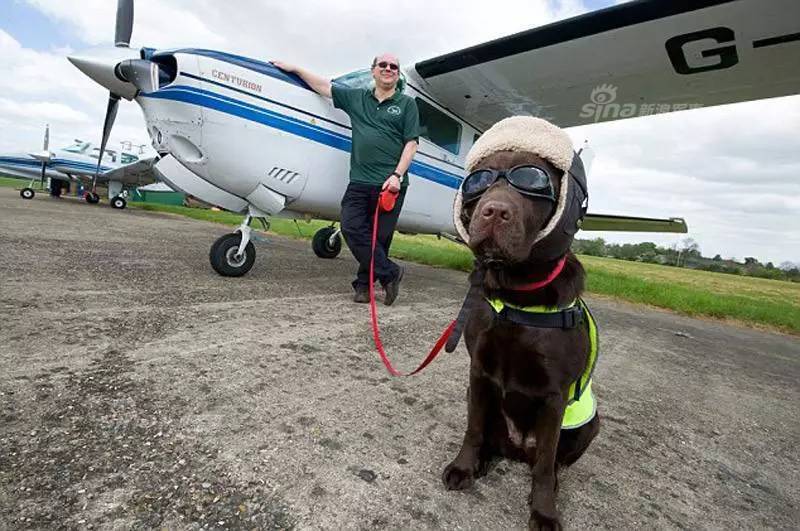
387 200
374 311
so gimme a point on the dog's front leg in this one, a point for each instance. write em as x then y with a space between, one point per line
542 457
468 464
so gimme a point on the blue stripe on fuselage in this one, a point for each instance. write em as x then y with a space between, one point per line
247 111
268 69
69 164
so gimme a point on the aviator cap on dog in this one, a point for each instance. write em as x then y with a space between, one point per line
541 138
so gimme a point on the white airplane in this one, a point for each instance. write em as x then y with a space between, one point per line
80 162
241 134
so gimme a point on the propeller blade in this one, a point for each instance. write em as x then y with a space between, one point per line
44 172
143 74
122 36
111 115
46 145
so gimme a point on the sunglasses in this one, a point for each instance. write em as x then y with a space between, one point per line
391 66
528 180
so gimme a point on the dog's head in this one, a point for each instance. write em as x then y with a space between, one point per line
509 218
503 224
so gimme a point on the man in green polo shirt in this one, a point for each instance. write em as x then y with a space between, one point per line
385 126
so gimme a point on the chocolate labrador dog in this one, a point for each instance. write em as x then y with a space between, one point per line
521 377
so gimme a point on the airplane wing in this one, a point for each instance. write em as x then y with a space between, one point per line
597 222
136 174
635 59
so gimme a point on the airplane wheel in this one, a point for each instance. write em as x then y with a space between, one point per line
92 198
322 243
119 202
223 256
27 193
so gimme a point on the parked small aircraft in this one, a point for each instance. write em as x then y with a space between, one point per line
242 134
78 162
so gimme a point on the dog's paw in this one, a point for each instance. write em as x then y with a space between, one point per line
541 522
455 477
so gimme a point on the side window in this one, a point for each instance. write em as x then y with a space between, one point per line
438 127
127 158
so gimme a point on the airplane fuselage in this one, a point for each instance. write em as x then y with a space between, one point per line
263 138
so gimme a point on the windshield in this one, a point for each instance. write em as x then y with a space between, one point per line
363 79
77 147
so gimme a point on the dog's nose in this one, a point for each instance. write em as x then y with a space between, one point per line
496 211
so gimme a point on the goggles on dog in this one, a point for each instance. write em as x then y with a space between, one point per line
528 180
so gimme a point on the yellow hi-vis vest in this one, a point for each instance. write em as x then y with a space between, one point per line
582 405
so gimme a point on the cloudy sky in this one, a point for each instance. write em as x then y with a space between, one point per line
737 183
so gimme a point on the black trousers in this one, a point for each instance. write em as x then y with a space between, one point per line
358 211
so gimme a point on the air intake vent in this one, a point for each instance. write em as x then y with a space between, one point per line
283 175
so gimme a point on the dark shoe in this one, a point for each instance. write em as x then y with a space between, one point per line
393 288
361 295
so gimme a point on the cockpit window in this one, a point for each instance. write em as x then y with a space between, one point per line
109 154
363 79
77 147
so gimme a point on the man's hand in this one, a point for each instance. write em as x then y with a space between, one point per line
392 184
318 84
286 67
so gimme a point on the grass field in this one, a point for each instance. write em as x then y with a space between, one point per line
13 182
770 304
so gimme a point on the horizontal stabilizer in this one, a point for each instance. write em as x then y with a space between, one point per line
597 222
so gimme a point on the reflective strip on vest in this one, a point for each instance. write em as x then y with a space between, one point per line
582 405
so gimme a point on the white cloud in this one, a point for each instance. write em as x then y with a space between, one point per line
12 111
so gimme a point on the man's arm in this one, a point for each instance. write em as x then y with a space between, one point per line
393 182
318 84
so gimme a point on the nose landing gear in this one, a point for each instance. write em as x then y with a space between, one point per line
233 255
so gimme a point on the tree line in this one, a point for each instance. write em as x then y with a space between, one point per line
686 253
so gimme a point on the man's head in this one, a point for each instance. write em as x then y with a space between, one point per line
386 71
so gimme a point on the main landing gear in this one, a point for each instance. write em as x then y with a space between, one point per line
27 193
232 255
327 242
91 197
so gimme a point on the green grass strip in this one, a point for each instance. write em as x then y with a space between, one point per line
685 291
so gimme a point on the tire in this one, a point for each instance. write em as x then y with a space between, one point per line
322 245
91 198
27 193
119 202
223 256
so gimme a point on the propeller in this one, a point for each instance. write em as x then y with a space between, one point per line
122 39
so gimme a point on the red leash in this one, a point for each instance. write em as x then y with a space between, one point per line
386 202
